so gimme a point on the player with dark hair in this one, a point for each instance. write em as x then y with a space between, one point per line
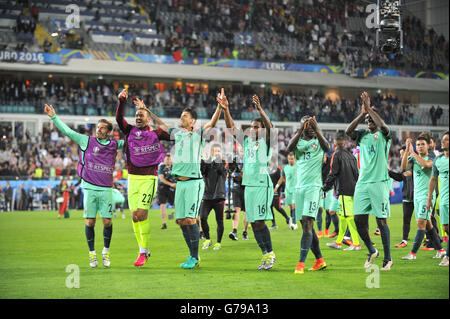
144 152
166 188
258 185
289 178
189 143
275 175
343 177
238 191
309 146
408 199
95 167
372 190
421 163
328 203
214 175
440 170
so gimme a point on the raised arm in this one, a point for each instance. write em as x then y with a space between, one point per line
322 140
424 163
264 117
294 141
354 124
81 139
223 102
374 115
156 120
120 119
214 119
405 165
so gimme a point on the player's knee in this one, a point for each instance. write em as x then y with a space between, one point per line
381 222
258 225
186 221
107 222
90 222
421 224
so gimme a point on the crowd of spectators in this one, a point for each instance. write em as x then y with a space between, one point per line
308 31
319 26
100 98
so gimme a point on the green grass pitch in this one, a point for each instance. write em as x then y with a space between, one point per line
36 248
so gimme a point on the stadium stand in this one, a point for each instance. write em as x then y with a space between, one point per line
98 97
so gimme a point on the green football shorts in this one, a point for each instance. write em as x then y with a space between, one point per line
420 208
97 201
289 198
117 196
257 203
443 213
141 191
188 197
307 201
335 205
326 202
372 198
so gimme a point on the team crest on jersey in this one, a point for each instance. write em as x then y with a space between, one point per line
375 136
138 135
314 146
96 149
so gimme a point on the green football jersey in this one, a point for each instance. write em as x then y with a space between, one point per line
290 173
373 155
257 156
440 168
421 177
188 152
309 159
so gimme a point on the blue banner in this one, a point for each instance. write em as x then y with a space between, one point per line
230 63
30 57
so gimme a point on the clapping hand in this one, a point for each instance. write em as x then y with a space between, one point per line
222 99
49 110
255 100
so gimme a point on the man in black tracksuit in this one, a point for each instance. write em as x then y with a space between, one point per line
214 175
343 176
275 174
408 199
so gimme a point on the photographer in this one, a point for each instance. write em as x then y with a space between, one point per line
214 175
